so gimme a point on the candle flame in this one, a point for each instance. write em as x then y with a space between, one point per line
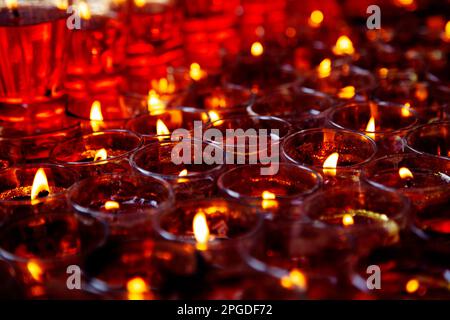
96 115
383 73
330 164
35 270
347 220
315 19
295 279
136 288
161 129
405 173
257 49
112 205
405 110
324 68
370 129
40 184
84 11
214 117
344 46
346 92
154 104
163 86
268 201
412 286
139 3
447 31
201 230
183 173
195 71
12 4
62 4
101 155
405 3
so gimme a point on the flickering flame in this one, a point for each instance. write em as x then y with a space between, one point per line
154 104
136 288
370 129
100 155
347 220
183 173
405 173
62 4
412 286
324 68
214 116
112 205
96 115
344 46
257 49
330 164
12 4
295 279
161 129
84 11
447 30
268 201
40 184
201 230
405 110
195 72
315 19
346 92
35 270
139 3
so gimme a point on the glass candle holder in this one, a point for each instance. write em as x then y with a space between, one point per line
144 269
34 38
259 138
218 228
190 178
41 248
125 202
372 217
96 153
384 122
425 180
338 154
159 126
34 188
96 48
273 194
302 107
431 139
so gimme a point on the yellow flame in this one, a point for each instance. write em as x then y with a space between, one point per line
405 173
112 205
405 3
447 30
295 279
195 71
315 19
370 129
35 270
268 201
136 288
96 115
155 105
40 184
62 4
346 92
161 129
330 164
100 155
405 110
383 73
183 173
201 230
344 46
324 68
84 11
347 220
163 86
214 117
12 4
257 49
140 3
412 286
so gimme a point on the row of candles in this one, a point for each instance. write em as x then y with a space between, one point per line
90 181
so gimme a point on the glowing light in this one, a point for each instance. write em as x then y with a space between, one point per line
405 3
214 117
330 164
136 288
405 110
183 173
201 230
421 92
12 4
412 286
344 46
84 11
324 68
294 280
40 184
347 220
112 205
195 72
96 115
346 92
35 270
257 49
383 73
154 104
370 129
62 4
405 173
161 129
163 86
268 201
140 3
101 155
315 19
447 31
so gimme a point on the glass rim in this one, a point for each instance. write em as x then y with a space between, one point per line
408 136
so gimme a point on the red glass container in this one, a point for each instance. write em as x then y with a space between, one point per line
431 139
